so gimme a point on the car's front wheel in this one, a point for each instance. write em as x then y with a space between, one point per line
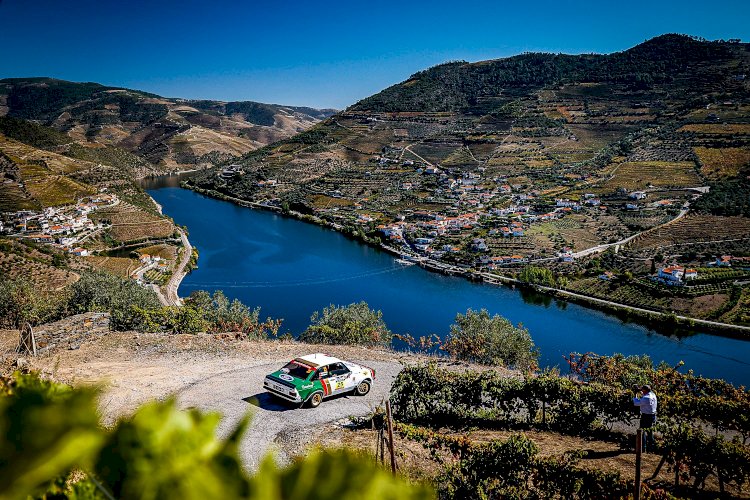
363 388
316 399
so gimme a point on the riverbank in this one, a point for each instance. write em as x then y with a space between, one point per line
651 318
170 289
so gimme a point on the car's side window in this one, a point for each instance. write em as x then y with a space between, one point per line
323 372
339 369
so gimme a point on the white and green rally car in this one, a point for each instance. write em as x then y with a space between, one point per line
310 379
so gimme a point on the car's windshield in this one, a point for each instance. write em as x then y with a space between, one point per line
298 370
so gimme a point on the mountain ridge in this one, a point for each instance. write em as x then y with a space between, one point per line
171 133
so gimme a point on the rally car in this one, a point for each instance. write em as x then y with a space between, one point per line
310 379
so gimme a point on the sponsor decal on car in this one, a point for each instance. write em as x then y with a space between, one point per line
287 377
326 387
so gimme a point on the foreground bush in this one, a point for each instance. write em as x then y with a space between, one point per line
477 337
159 453
352 324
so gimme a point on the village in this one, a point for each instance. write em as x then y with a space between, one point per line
470 220
68 228
65 227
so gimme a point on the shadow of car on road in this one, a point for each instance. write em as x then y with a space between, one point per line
268 402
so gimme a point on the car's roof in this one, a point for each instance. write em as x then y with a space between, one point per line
318 359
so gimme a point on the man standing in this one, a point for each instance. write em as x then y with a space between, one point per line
647 403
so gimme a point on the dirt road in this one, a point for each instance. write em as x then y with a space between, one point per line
216 374
170 289
274 424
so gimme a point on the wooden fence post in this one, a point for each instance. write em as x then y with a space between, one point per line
638 451
381 433
27 342
390 435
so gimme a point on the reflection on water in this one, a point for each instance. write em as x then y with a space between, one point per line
532 297
164 181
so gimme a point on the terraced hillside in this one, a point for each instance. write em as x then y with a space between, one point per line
172 134
523 159
663 116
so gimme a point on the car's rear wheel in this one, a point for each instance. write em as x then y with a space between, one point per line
363 388
316 399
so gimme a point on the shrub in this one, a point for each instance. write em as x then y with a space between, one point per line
352 324
493 470
477 337
537 275
219 314
107 293
20 302
170 319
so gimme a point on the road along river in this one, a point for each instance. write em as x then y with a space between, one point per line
291 268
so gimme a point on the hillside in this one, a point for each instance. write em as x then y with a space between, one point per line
62 142
173 134
547 159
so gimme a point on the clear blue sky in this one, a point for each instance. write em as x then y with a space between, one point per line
319 53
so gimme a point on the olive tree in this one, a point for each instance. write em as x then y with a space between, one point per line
491 340
352 324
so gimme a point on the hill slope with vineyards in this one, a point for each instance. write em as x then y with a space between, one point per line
590 165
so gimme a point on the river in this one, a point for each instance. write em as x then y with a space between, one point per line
291 268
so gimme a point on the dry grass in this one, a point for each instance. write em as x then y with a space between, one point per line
640 175
56 190
20 262
120 266
320 201
13 198
130 223
717 129
722 162
168 252
135 232
694 229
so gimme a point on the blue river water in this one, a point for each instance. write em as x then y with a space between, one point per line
291 268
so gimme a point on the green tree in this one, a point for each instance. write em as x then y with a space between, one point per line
107 293
491 340
537 275
21 302
352 324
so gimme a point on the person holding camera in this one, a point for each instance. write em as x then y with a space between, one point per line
647 403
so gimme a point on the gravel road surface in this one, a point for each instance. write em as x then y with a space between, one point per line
235 392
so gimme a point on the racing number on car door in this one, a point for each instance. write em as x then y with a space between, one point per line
339 375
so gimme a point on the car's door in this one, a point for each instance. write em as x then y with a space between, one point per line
341 378
326 379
